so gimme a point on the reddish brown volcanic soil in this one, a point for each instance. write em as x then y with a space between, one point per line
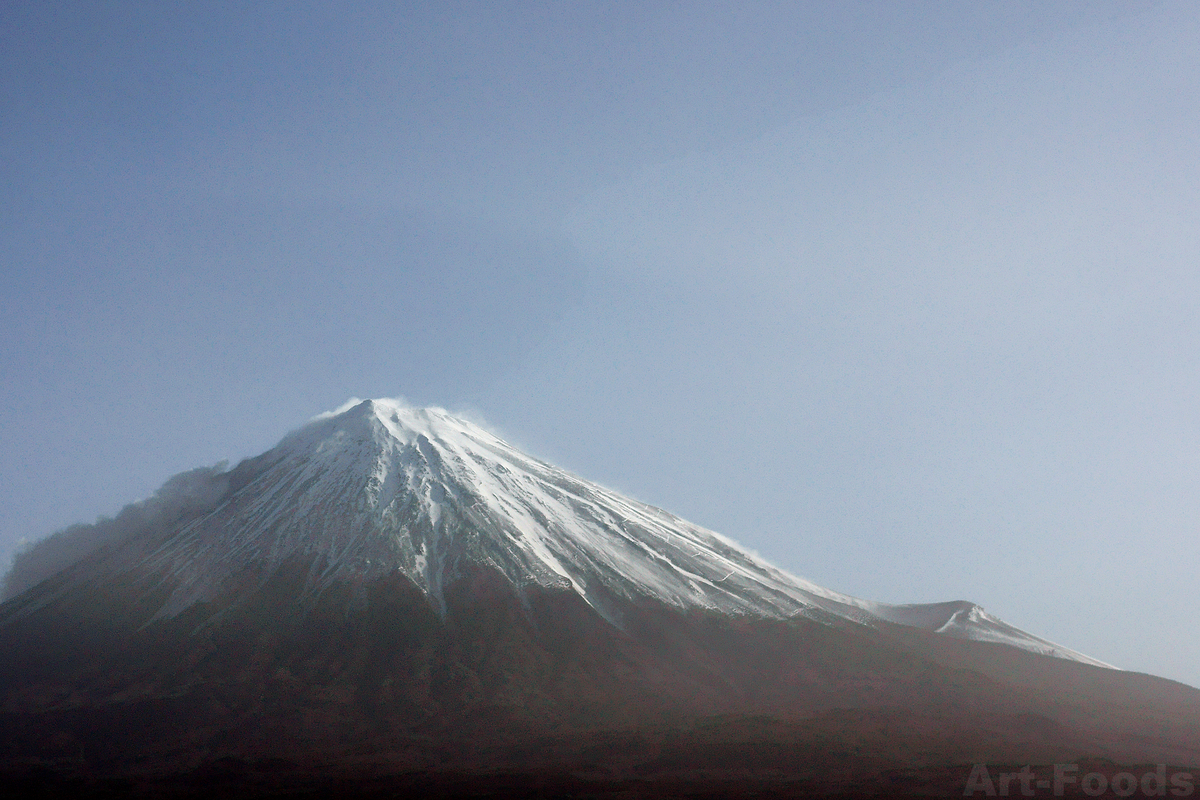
366 691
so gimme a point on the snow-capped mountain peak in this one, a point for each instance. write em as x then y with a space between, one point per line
380 488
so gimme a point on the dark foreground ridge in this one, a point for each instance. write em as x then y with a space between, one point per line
232 778
367 691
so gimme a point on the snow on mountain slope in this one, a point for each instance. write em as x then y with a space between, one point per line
382 487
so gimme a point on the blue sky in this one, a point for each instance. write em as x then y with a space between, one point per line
900 295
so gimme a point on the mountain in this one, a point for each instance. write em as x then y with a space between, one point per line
393 593
382 488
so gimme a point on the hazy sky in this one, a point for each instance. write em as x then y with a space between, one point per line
901 295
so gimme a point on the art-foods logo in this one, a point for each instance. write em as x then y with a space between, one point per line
1065 778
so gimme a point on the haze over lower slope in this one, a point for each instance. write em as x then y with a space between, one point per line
913 279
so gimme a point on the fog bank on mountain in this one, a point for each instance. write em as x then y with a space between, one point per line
196 491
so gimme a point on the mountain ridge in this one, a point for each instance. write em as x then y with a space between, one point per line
379 486
268 630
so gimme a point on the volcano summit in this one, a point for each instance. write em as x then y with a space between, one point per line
396 595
